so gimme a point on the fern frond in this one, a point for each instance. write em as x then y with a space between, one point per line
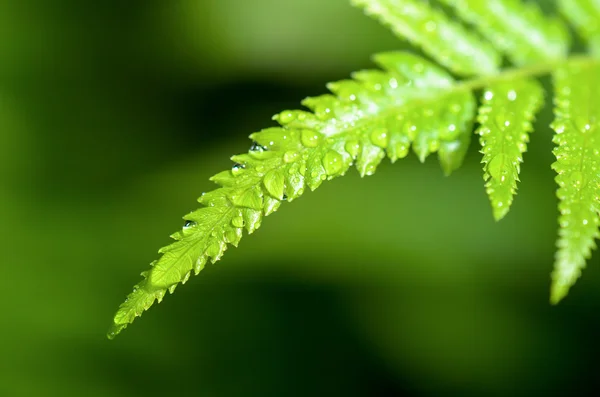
441 38
411 102
517 29
577 127
584 15
505 116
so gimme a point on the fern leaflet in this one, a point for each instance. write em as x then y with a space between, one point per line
505 118
577 127
445 40
411 102
584 15
517 29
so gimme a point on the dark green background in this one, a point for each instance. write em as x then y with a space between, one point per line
114 114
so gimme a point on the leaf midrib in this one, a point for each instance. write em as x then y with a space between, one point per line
475 84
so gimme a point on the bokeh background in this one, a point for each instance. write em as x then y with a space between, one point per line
114 114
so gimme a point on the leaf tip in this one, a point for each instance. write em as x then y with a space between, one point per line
114 330
558 292
500 213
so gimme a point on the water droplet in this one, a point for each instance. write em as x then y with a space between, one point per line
411 132
286 117
237 168
237 221
488 95
434 145
585 222
512 95
370 169
402 150
559 128
256 147
430 26
333 162
497 168
310 138
576 179
418 68
290 157
352 147
449 133
323 112
189 224
379 137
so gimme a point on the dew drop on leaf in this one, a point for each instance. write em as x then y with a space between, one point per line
189 224
449 133
497 168
576 179
455 108
433 146
290 157
310 139
257 148
379 137
418 68
286 117
237 168
333 162
237 221
352 147
402 150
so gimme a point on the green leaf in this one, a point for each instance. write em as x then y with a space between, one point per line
505 117
577 127
410 101
584 15
518 29
441 38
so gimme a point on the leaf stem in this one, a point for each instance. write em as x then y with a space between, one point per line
536 70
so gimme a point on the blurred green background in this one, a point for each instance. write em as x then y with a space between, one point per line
114 114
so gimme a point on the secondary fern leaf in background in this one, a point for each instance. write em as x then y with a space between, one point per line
518 29
577 127
411 102
443 39
584 15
